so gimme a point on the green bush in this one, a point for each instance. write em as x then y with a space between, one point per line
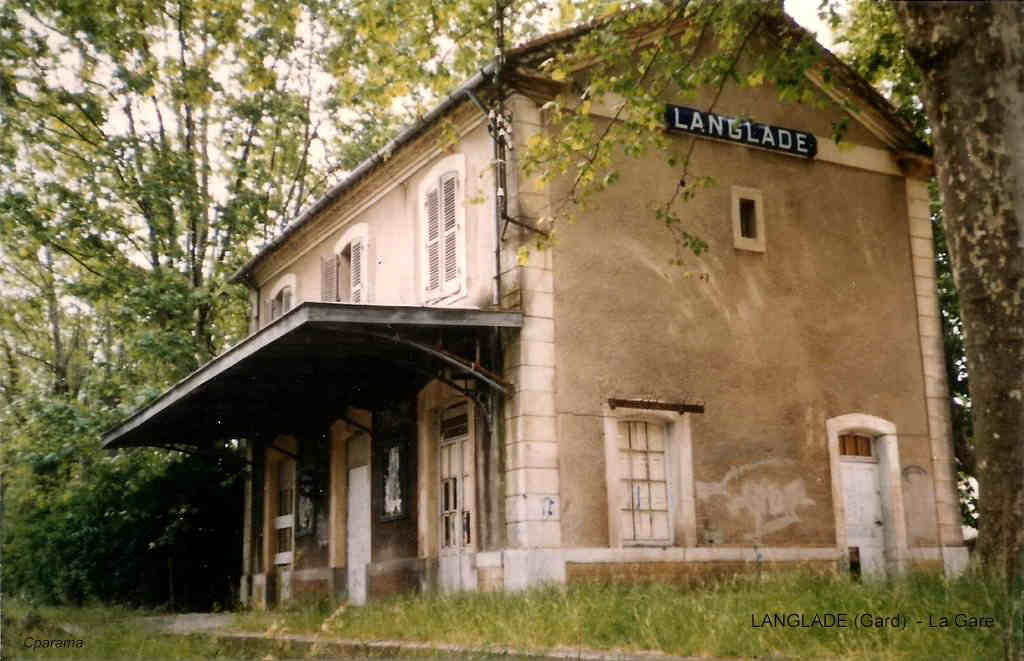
142 527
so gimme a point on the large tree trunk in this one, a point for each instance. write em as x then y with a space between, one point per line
972 59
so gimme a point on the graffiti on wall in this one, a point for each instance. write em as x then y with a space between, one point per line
754 491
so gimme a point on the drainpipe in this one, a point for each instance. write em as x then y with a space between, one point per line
497 126
496 538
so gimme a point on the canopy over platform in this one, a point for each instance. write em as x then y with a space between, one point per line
308 366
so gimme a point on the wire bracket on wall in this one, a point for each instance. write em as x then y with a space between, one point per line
532 228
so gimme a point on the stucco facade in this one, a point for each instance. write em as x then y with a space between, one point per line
779 399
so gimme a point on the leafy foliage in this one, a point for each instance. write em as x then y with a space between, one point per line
132 527
144 150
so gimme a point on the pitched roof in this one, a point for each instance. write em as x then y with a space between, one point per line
880 117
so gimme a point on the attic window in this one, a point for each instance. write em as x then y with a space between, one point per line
748 219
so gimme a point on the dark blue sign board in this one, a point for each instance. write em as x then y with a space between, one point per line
709 125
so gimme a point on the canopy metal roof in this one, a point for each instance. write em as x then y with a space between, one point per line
306 367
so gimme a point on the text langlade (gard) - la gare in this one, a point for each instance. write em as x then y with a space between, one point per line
764 136
868 621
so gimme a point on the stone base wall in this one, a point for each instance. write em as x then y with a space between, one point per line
691 574
490 579
311 584
516 569
387 579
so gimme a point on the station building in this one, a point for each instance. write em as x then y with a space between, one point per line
426 410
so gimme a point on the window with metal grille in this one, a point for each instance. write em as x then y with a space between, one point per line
284 522
643 511
285 488
284 540
855 445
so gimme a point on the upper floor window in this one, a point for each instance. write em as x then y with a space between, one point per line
747 219
345 272
282 297
443 229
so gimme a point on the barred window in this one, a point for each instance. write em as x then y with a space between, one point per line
855 445
643 510
284 522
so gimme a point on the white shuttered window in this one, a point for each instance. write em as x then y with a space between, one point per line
356 271
345 272
443 238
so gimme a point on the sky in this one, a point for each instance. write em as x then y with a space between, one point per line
805 12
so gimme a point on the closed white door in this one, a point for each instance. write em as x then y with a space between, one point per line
865 528
358 533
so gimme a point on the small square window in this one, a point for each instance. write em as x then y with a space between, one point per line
748 223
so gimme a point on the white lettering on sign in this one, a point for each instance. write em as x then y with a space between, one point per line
716 123
765 136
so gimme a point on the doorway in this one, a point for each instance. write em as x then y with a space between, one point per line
862 502
867 493
457 496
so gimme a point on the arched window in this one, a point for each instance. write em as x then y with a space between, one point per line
345 272
443 229
282 297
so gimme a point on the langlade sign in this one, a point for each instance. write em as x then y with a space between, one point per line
709 125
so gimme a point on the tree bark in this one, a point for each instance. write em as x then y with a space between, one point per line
971 56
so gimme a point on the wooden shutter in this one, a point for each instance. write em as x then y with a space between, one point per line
286 299
451 229
268 312
275 307
432 271
356 270
329 278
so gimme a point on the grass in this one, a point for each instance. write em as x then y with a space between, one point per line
713 620
107 632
